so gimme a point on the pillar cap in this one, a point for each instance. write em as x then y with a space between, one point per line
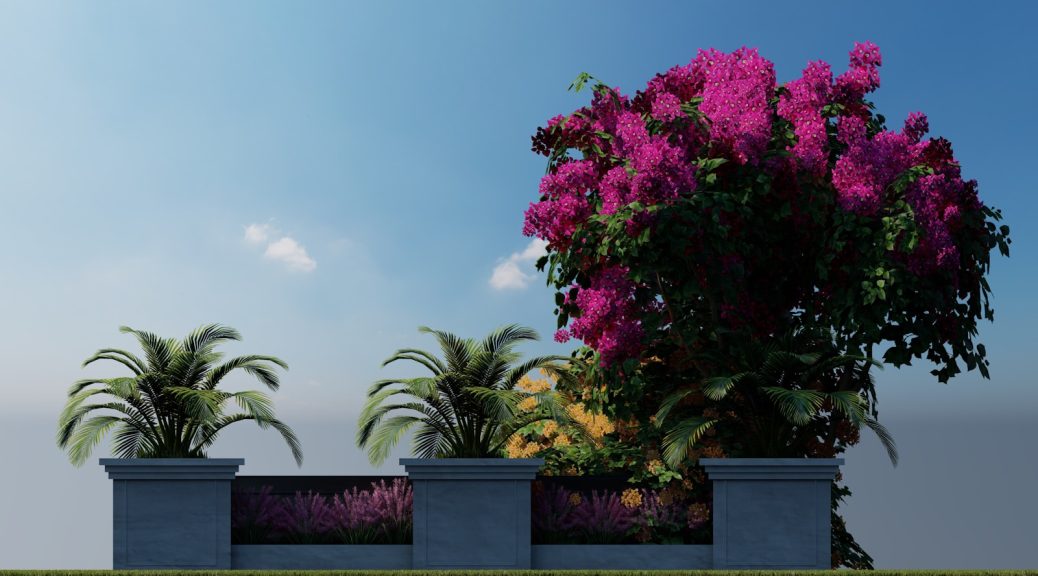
171 468
771 468
472 468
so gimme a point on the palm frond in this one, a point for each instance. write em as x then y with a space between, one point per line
290 439
71 417
204 337
680 439
717 387
386 436
669 403
255 403
502 339
429 442
158 351
456 351
217 373
850 404
87 435
797 406
500 404
127 442
264 374
419 356
885 438
200 405
125 358
207 433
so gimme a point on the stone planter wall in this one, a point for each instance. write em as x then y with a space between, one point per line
171 513
473 513
772 513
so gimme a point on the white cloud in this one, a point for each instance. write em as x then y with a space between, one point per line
257 233
534 250
510 274
285 249
292 253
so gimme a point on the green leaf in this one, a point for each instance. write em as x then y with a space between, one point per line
798 406
679 441
580 81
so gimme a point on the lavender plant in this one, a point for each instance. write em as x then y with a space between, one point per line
603 518
254 515
393 504
659 522
355 519
306 519
552 508
379 515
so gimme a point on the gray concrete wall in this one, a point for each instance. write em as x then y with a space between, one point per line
321 557
622 557
171 513
772 513
471 513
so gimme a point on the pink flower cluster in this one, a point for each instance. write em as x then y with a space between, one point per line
736 91
864 172
661 172
609 319
803 107
861 78
565 205
939 201
644 149
666 107
868 167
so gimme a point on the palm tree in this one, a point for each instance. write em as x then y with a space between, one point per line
781 386
468 407
170 407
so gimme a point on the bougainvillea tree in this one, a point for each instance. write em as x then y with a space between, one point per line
717 210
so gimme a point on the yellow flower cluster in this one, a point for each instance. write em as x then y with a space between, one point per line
575 499
631 498
550 428
518 447
534 386
712 452
597 424
655 466
527 404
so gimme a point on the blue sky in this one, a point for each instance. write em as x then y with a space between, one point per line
380 153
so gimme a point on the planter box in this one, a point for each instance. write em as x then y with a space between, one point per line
772 513
471 512
768 513
171 513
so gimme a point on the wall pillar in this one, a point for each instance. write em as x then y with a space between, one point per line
471 512
171 513
772 513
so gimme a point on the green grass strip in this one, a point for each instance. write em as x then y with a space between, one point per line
515 572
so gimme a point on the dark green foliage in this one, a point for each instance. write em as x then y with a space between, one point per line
468 408
171 405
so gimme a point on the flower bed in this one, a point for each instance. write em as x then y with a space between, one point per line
608 510
379 514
